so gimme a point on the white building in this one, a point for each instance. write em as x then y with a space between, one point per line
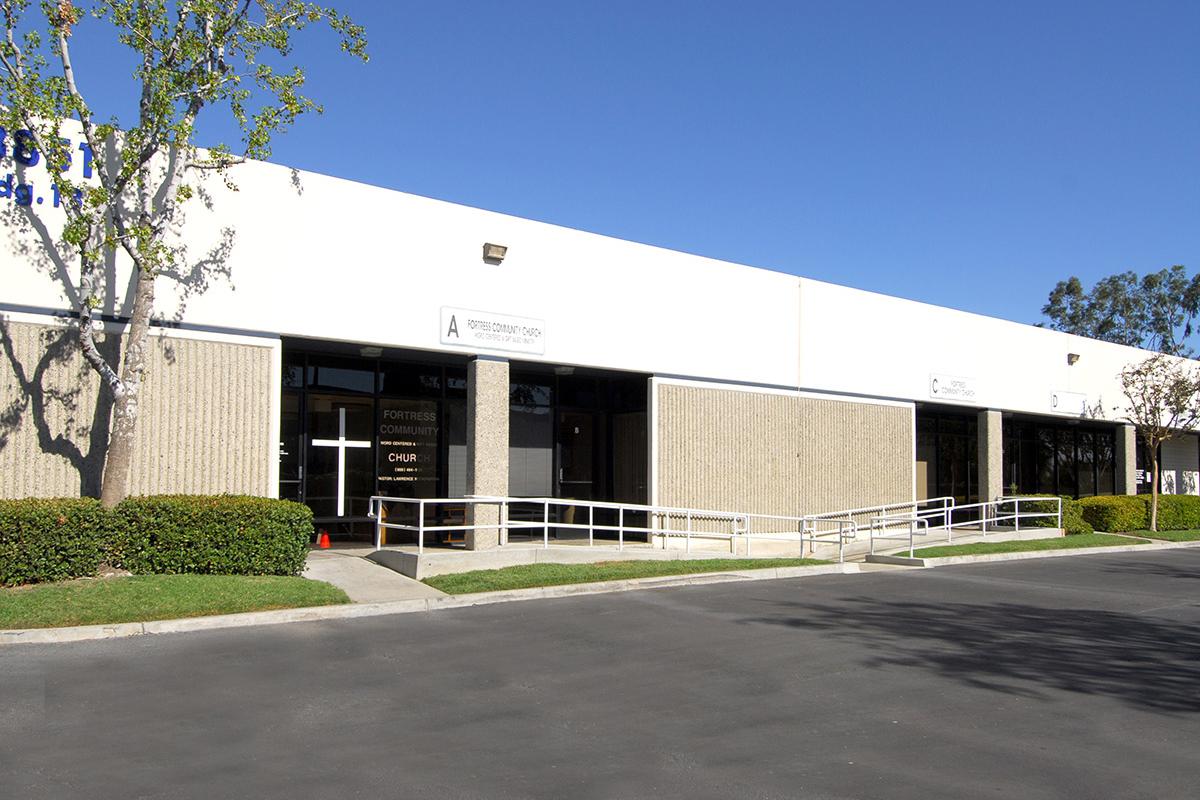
576 366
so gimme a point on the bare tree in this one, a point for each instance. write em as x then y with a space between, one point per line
1163 395
191 55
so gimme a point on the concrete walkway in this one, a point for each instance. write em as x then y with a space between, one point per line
364 581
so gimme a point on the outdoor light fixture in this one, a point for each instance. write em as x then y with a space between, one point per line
494 253
370 352
564 370
1072 358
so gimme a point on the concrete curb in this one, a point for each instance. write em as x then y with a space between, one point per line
359 610
905 561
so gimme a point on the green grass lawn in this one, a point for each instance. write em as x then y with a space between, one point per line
529 575
139 598
1057 543
1169 536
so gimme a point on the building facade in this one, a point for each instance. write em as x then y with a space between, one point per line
328 341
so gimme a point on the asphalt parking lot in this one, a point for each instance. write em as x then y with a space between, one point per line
1066 677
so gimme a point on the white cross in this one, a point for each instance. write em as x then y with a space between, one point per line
341 443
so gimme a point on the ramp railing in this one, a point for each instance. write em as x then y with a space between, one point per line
659 525
982 518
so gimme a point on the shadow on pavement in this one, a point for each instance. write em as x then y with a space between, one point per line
1153 569
1021 649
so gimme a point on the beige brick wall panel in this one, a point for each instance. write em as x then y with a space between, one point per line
780 454
204 425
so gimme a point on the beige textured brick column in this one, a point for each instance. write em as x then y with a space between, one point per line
991 455
1126 459
487 445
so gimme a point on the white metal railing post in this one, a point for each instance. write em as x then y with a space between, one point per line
746 528
1016 514
591 526
621 528
1059 499
421 526
687 547
911 527
378 524
504 522
546 524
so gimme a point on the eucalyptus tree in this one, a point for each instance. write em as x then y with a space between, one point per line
189 57
1157 310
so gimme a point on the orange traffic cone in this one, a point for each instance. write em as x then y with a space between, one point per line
323 540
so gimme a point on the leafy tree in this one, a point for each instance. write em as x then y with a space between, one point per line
1156 311
191 56
1163 395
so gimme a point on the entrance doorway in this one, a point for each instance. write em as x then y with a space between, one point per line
947 463
355 425
577 435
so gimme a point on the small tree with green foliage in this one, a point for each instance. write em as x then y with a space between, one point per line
190 56
1163 395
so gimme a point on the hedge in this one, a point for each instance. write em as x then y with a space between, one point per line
50 539
1176 512
1073 521
1122 512
205 534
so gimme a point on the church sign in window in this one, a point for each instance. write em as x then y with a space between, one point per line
408 448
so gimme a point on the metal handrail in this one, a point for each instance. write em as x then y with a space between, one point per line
885 522
658 518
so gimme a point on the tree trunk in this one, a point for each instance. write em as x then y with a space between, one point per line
1154 494
118 461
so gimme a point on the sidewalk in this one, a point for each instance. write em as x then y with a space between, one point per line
364 581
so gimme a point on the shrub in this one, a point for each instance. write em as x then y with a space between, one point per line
50 539
205 534
1072 515
1176 512
1117 513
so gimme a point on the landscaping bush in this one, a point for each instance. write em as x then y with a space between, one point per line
1118 513
1176 512
216 535
50 539
1072 515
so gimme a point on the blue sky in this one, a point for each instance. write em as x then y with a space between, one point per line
962 153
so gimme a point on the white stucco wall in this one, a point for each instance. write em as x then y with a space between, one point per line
872 344
315 256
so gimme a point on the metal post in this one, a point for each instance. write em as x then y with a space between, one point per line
1059 499
621 528
378 528
546 524
421 526
504 522
911 526
591 526
688 537
1017 514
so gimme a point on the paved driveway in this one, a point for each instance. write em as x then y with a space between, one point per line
1069 677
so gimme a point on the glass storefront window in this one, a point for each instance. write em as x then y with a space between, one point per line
328 373
341 464
409 463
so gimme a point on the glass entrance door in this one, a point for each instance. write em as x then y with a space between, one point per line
341 461
577 452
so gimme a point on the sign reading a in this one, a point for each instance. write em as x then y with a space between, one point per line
952 387
463 327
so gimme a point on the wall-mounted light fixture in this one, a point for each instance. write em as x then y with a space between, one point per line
1072 358
370 352
494 253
